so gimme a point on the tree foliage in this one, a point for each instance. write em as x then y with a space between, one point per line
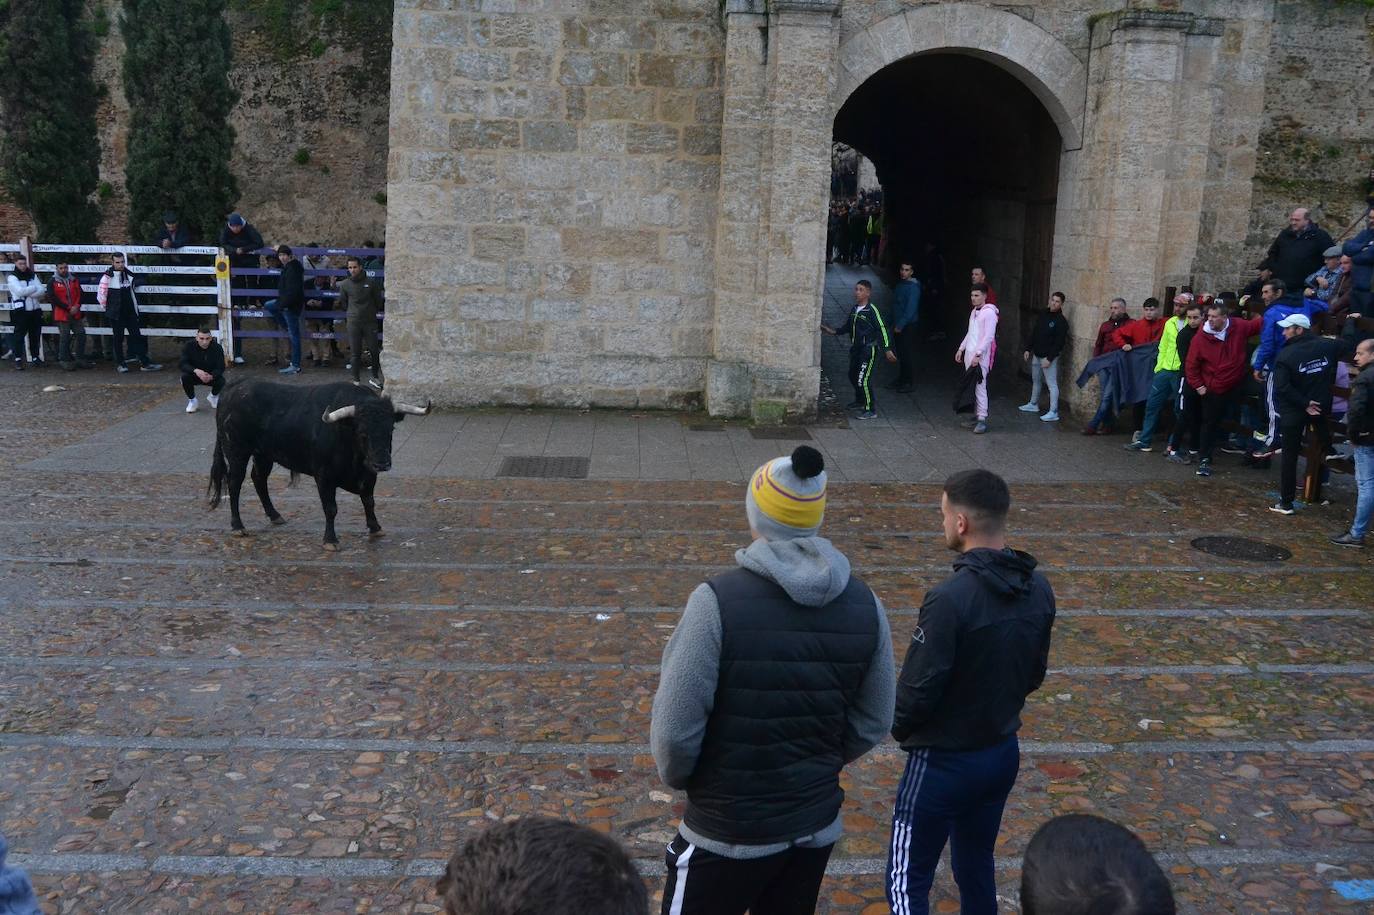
176 76
49 155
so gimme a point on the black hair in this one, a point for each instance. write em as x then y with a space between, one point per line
980 287
283 249
807 462
204 329
983 494
538 864
866 284
1079 864
1059 295
1151 302
1279 285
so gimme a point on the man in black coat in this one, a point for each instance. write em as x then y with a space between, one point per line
285 309
1359 425
1298 249
202 363
1304 372
982 644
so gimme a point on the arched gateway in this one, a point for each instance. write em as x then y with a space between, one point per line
627 208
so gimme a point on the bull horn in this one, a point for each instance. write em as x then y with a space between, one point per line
411 409
333 416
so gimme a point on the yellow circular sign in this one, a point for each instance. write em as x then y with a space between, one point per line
222 267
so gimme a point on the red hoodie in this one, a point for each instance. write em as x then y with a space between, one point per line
1139 331
66 297
1106 336
1220 365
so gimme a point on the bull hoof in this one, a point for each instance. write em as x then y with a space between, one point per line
239 532
376 534
277 520
331 548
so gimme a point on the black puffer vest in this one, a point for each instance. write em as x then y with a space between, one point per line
770 763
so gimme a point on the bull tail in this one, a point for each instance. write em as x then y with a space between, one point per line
219 473
295 478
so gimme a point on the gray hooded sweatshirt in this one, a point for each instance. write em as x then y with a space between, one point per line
813 573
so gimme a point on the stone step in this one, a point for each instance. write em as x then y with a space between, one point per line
418 636
554 703
352 575
701 553
355 806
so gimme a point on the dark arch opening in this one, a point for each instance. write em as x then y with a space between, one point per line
968 159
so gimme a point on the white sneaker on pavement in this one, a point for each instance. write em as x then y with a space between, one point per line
214 401
1029 408
1050 417
192 406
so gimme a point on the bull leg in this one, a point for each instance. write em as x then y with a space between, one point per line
331 508
370 508
238 469
261 468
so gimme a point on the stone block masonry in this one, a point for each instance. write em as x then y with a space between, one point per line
553 181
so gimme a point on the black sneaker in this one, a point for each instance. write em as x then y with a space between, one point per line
1230 448
1204 468
1346 540
1282 508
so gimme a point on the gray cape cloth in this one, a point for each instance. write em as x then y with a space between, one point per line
1133 371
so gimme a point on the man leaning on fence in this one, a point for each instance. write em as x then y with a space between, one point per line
64 292
361 297
286 308
117 297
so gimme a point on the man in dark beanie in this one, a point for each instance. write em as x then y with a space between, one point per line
778 675
982 644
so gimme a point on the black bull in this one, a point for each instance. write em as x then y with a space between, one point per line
340 434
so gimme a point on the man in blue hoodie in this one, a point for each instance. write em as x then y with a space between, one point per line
778 675
982 644
906 312
1279 302
1360 250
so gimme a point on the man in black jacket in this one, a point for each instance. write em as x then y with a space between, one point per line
202 362
285 309
1298 249
981 645
1047 342
1304 372
1359 425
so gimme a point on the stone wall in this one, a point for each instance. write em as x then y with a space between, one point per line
552 199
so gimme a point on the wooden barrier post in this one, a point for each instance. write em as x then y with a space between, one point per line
226 305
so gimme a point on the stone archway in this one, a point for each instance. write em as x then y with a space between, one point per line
1046 65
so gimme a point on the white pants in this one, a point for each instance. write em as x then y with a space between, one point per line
1048 376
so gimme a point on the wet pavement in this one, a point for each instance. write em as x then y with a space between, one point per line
193 722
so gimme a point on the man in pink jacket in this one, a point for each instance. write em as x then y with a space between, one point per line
979 348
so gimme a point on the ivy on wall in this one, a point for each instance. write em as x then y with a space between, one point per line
49 156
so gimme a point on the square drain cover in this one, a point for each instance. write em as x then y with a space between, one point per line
784 433
560 468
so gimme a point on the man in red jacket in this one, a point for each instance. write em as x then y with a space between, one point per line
1216 367
1142 330
64 292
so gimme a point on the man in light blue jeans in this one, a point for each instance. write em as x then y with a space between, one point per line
1359 424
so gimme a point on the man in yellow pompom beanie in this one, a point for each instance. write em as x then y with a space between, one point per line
778 675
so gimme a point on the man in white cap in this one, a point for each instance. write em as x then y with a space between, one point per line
779 674
1304 372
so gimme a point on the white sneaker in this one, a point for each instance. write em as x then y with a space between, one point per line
1050 417
214 401
239 360
192 406
1029 408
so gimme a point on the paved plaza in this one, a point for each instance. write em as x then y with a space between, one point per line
193 722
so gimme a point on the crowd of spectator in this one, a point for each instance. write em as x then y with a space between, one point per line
305 287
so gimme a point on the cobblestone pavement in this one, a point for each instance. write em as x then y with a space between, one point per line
192 722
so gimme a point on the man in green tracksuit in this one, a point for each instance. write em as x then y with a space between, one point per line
867 332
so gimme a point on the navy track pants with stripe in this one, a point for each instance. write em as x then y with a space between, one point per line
704 883
861 365
954 796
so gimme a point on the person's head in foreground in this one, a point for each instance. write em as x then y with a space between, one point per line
1084 865
974 505
786 496
541 866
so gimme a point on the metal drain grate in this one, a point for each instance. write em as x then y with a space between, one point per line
558 468
706 427
1242 548
781 433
